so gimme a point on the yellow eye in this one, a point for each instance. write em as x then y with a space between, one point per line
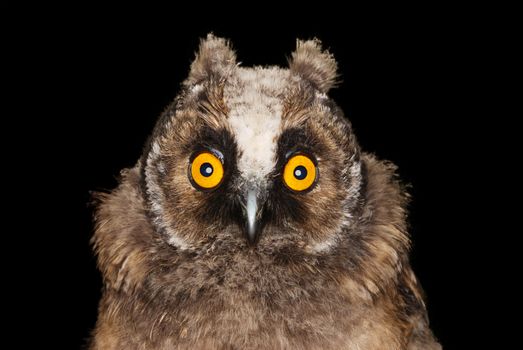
206 171
300 173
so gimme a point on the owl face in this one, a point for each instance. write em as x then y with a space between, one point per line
259 158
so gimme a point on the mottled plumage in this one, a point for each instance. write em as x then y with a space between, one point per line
252 263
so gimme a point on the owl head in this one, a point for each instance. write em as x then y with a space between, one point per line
259 157
250 173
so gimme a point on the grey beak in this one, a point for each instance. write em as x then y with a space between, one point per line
252 214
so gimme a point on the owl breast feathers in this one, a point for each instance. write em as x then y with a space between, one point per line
254 221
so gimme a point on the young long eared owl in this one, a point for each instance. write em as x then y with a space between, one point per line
254 221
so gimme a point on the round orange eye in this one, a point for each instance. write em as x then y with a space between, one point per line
300 173
206 171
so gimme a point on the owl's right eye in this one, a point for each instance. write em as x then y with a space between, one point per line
206 171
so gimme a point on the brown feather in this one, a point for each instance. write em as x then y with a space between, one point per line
330 270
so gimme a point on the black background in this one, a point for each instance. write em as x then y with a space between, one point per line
94 82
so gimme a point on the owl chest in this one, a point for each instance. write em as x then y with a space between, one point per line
249 319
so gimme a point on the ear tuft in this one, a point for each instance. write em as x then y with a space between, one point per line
215 58
314 65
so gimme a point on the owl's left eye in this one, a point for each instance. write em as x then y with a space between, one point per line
206 171
300 173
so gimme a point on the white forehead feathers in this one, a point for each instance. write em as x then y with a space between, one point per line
254 99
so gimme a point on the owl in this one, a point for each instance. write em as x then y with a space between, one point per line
253 220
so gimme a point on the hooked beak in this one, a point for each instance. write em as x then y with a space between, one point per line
253 207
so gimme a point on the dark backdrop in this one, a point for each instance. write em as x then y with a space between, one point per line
101 80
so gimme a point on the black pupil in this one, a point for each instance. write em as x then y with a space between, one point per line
300 172
206 169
